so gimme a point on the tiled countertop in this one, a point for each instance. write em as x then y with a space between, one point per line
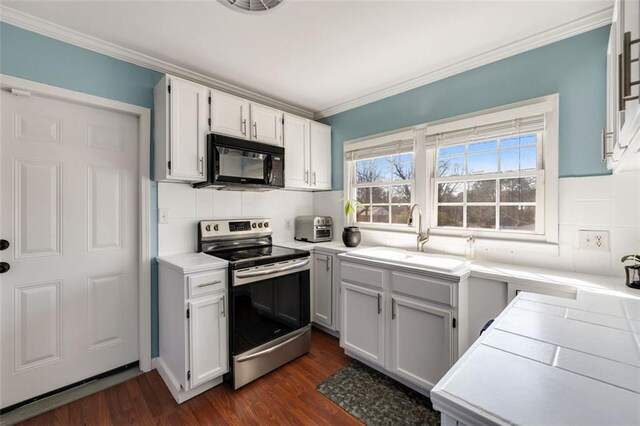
550 360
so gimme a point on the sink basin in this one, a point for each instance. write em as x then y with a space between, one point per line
434 262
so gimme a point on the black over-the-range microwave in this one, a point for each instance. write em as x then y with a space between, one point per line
240 164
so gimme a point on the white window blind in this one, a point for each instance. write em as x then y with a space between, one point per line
392 148
524 125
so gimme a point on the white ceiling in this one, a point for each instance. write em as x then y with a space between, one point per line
312 54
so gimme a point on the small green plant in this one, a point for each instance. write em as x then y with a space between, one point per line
634 257
350 210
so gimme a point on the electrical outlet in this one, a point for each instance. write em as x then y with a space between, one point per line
593 240
287 224
163 215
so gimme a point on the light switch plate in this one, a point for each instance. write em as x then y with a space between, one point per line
163 215
593 240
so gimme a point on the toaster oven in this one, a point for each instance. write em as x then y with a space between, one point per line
314 229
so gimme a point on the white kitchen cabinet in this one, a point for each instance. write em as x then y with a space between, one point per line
322 307
307 147
422 318
192 304
621 137
181 127
296 151
363 325
266 124
421 340
229 114
208 341
320 155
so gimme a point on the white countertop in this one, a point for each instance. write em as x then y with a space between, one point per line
519 274
188 263
550 360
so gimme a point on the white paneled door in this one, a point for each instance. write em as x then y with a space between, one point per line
69 210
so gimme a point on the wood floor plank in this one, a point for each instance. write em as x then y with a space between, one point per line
286 396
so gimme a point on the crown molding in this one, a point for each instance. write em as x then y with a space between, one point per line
67 35
560 32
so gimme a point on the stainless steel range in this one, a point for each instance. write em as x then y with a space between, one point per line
269 297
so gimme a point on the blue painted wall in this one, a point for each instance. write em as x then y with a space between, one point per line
34 57
575 68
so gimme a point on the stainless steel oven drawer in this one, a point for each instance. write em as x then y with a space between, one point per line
259 361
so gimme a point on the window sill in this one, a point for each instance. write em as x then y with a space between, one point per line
405 229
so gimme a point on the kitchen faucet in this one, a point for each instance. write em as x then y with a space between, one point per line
422 237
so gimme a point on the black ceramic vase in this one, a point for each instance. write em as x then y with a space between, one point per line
351 236
633 274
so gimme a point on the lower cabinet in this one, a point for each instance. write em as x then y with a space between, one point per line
208 343
325 288
363 322
194 351
406 323
421 341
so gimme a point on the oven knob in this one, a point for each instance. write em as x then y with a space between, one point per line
216 227
266 224
259 224
253 225
208 228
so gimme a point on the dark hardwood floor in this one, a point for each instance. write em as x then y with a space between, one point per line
286 396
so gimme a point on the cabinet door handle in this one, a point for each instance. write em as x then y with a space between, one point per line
244 127
328 260
315 178
379 303
208 284
224 310
255 130
393 308
306 176
201 165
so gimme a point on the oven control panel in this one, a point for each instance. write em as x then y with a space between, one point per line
221 228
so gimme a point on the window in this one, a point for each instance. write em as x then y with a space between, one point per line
495 173
491 174
490 184
384 189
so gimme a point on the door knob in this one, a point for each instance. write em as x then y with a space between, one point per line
4 267
4 244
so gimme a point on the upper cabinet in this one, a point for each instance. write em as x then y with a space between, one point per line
307 150
181 127
229 115
320 157
237 117
185 112
621 138
266 124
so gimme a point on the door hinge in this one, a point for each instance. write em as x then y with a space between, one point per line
209 122
188 313
189 375
209 100
282 120
169 88
169 165
454 323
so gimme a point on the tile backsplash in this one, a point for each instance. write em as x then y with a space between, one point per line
601 203
186 206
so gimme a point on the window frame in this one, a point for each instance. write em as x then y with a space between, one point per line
537 173
385 183
546 172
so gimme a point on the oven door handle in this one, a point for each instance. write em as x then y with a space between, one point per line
272 271
275 348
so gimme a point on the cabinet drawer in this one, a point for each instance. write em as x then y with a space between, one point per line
206 282
361 274
423 287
